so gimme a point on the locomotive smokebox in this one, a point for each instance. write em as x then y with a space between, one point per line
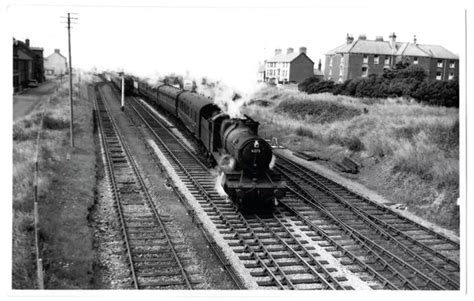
241 141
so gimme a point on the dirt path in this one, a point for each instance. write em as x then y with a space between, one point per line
24 103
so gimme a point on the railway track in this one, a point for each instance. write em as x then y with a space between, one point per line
266 245
384 249
401 253
155 260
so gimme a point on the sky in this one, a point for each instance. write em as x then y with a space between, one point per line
221 40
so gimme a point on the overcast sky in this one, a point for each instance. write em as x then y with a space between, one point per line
223 41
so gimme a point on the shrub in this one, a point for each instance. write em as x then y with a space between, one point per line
403 81
54 123
307 82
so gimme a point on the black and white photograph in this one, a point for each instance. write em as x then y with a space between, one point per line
236 149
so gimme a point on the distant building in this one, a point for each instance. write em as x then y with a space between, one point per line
318 73
290 67
27 64
363 57
55 64
261 73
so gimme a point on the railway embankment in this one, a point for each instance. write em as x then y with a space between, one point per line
408 153
66 185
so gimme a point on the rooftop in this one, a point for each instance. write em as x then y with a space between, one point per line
399 48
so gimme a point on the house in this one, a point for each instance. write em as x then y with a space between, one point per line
288 67
27 64
363 57
55 64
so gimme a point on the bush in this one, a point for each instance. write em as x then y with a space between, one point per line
54 123
304 85
403 81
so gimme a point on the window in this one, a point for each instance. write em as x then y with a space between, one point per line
452 64
341 71
387 61
440 63
451 75
330 62
415 61
330 72
438 75
366 59
342 60
365 71
376 59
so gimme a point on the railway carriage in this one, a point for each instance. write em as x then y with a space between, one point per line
167 98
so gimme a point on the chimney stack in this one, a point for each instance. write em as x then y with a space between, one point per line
56 50
414 39
379 38
289 50
349 39
362 36
319 65
303 50
27 42
277 51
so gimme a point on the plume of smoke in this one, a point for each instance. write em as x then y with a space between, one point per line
219 184
272 162
229 100
227 163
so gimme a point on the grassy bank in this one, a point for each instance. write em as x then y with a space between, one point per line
409 152
66 191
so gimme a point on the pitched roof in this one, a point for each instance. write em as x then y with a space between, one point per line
385 48
286 58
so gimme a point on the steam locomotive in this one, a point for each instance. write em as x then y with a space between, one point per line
233 144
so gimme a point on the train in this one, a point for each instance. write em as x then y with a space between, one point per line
233 144
116 80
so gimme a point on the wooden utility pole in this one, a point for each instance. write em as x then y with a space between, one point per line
123 93
71 123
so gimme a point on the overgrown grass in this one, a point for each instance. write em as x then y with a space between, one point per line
394 139
59 225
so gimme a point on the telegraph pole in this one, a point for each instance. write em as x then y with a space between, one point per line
71 125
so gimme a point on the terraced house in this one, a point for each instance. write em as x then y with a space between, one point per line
288 67
362 57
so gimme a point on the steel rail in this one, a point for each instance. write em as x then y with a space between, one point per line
371 203
334 283
371 247
380 231
315 182
116 192
151 205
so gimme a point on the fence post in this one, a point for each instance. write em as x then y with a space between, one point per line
39 260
